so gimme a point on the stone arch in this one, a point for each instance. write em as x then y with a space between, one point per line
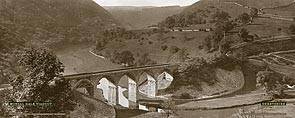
131 76
127 89
147 85
109 90
85 86
151 73
164 80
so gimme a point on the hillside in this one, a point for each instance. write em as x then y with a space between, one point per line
160 47
141 17
8 42
287 10
235 7
281 13
263 3
88 107
52 21
49 23
252 3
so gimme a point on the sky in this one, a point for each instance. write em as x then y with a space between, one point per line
145 2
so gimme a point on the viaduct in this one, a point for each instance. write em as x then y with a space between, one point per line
124 86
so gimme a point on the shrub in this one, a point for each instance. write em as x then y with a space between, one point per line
150 42
145 60
292 29
125 57
244 18
164 47
174 49
185 96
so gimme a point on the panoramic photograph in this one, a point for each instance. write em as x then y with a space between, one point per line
147 58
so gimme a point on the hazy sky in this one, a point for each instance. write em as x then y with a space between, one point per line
145 2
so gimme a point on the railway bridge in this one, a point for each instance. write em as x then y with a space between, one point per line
124 86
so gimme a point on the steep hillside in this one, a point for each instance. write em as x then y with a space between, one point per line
252 3
88 107
263 3
287 10
235 7
141 17
8 42
50 21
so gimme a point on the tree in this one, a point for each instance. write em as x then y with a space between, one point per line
196 71
145 60
244 18
254 12
125 57
100 44
292 29
170 22
221 16
37 79
168 106
272 82
225 26
211 42
173 49
183 54
243 34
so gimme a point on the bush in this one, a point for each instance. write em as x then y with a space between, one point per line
183 20
150 42
164 47
273 83
125 57
174 49
185 96
145 60
244 18
292 29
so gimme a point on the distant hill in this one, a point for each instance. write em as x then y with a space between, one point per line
49 21
141 17
118 8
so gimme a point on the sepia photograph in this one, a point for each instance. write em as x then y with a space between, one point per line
147 58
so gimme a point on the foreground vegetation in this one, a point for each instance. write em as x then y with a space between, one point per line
36 78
